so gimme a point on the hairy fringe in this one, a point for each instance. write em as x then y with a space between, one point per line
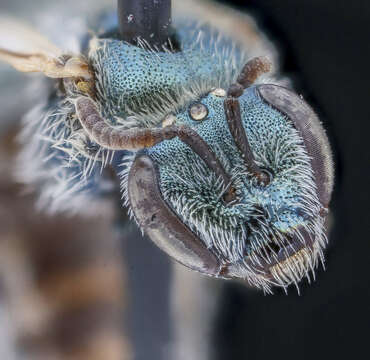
51 163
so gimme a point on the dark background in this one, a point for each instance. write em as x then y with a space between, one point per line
325 49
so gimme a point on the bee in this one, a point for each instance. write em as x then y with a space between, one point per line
228 172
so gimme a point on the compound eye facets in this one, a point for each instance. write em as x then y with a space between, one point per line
198 111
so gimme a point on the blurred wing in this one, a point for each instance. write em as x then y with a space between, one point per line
239 26
29 51
17 36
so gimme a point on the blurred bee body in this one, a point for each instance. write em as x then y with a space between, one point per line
62 279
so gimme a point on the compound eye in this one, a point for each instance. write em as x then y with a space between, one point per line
198 111
309 127
161 223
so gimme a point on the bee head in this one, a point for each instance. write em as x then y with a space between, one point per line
248 197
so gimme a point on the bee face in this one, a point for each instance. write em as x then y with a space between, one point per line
269 233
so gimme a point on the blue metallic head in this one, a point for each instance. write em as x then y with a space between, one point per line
269 232
235 180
